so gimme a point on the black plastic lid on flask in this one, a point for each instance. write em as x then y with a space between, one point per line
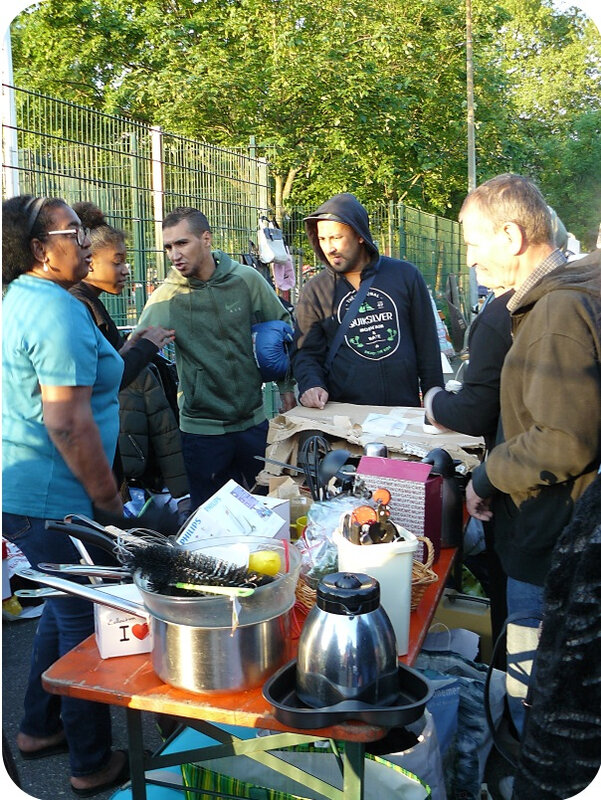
348 593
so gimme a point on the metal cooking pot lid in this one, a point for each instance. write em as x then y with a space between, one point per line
348 593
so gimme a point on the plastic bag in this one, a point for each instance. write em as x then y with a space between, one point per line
250 779
272 247
467 753
424 758
319 554
283 274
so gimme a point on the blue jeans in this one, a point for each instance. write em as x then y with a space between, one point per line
211 461
523 598
64 623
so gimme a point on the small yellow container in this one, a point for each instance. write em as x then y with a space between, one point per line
300 525
299 509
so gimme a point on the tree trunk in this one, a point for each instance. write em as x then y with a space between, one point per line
283 189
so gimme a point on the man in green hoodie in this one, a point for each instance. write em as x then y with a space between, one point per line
212 302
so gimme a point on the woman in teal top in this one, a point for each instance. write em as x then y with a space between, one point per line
60 421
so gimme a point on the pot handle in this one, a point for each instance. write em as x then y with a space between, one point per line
81 590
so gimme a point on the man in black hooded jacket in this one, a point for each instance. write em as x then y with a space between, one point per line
390 351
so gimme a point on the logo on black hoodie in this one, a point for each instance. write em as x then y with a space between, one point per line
374 333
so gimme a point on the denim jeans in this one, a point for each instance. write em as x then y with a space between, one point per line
526 598
211 461
64 623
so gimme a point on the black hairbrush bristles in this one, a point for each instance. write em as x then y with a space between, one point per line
164 566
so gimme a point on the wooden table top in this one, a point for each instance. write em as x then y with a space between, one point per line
131 682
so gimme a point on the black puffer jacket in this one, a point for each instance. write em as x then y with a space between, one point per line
149 437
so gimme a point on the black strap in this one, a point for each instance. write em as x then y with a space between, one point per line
351 313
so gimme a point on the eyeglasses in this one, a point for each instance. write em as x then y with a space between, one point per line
81 233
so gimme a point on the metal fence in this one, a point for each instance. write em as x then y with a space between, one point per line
136 172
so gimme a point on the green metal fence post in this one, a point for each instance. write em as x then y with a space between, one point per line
402 232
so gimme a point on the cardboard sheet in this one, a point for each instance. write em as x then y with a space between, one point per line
343 424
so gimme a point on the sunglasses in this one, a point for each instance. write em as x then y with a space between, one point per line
81 233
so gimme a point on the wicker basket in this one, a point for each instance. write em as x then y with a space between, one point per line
421 574
305 595
421 577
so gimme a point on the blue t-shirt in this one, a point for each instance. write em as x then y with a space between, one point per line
49 338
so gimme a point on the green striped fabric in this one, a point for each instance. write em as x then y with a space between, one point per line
213 785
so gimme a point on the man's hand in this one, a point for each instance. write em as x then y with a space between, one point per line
314 398
287 401
429 419
477 506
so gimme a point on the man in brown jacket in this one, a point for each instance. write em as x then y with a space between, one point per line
549 449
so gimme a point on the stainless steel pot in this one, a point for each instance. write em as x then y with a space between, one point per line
219 659
201 658
266 601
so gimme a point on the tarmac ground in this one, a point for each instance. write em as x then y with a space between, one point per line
46 778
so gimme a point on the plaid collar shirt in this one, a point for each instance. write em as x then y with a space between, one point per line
553 260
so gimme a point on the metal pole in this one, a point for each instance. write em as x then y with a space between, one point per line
158 190
471 135
471 138
138 248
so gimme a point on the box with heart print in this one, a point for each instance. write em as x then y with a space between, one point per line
119 633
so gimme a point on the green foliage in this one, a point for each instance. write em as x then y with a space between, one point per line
360 95
551 64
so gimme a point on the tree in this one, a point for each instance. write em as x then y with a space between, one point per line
341 94
360 95
552 67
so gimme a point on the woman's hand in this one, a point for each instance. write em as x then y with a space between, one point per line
159 336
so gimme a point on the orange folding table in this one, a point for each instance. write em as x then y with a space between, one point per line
130 681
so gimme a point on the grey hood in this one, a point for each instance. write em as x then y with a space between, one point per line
341 208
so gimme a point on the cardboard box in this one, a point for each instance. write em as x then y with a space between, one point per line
416 495
119 633
232 511
348 426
